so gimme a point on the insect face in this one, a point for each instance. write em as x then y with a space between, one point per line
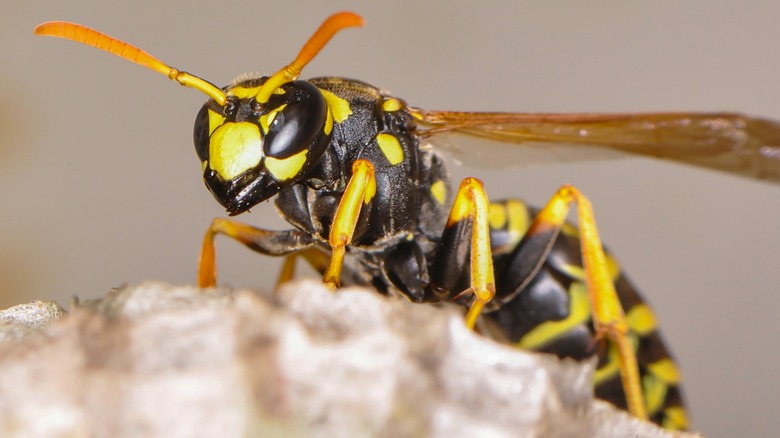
251 150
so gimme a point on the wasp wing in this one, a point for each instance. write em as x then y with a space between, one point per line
728 142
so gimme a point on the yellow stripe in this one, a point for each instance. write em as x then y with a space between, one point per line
518 218
610 369
655 393
546 332
286 168
497 216
666 370
641 319
570 230
577 272
675 418
391 147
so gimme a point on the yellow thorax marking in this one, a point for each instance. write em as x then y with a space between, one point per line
439 191
390 147
235 148
338 107
391 104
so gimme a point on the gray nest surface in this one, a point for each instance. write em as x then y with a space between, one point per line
158 360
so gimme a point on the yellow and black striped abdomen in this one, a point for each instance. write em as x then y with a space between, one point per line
552 314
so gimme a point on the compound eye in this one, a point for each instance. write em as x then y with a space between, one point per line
297 126
201 133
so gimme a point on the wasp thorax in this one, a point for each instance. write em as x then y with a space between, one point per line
250 150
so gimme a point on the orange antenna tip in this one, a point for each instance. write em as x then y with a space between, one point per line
330 27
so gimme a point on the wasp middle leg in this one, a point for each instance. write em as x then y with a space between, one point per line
467 234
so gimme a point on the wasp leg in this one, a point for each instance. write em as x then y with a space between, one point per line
467 233
316 258
275 243
360 190
608 318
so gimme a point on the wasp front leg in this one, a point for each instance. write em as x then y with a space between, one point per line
274 243
466 235
359 191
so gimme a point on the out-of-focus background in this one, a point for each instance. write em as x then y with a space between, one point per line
100 186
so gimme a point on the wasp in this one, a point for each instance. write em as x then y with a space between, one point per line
354 170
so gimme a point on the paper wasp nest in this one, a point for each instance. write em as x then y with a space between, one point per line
157 360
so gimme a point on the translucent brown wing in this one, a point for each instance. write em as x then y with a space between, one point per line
733 143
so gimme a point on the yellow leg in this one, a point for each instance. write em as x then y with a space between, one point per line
316 258
471 203
608 317
360 190
268 242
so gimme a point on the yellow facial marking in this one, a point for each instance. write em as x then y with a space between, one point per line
641 319
496 216
242 92
338 106
215 121
268 118
439 191
546 332
675 419
655 393
391 147
285 168
665 370
235 148
391 104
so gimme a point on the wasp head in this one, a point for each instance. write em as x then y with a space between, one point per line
251 150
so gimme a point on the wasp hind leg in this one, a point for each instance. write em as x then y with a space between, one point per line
314 256
607 313
466 235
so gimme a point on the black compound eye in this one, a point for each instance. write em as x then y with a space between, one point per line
201 134
296 127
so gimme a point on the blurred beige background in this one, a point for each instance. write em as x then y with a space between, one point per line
100 186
